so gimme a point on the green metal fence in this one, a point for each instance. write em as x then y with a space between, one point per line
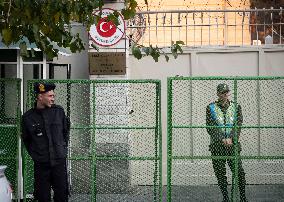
115 140
190 173
10 113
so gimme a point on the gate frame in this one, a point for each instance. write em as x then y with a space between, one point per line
170 127
17 125
158 133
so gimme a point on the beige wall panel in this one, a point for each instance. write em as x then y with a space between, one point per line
274 63
226 64
236 31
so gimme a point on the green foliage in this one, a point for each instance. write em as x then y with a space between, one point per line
176 47
44 22
130 9
136 52
139 51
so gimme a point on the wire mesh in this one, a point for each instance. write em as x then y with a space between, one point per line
259 150
9 128
115 140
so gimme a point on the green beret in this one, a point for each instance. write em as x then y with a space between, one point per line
222 88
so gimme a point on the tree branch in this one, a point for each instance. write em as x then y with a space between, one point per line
8 14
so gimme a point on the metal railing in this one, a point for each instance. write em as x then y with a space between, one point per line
208 27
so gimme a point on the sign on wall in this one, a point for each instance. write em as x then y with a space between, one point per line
107 63
106 33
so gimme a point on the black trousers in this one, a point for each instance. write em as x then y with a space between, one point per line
219 166
47 177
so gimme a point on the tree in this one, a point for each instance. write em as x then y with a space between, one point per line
45 21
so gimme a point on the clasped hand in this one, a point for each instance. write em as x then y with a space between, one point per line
227 141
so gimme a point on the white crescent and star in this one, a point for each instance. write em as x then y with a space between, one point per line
103 30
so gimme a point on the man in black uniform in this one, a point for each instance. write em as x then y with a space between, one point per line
224 112
45 133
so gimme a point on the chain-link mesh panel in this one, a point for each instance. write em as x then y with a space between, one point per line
196 157
9 128
127 180
115 139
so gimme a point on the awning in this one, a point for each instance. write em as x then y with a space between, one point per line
61 50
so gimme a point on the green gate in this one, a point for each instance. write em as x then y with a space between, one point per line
115 139
190 173
10 114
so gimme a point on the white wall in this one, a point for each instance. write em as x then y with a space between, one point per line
226 63
79 61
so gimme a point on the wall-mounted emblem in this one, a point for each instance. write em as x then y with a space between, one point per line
106 33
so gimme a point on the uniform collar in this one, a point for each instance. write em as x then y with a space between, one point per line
220 104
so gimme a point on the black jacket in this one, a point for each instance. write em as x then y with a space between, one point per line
45 133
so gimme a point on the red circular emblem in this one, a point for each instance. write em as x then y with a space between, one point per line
106 29
106 33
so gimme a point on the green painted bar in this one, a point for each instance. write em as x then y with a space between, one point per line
227 78
235 140
93 148
8 126
113 128
169 142
228 157
95 81
160 141
175 126
115 158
